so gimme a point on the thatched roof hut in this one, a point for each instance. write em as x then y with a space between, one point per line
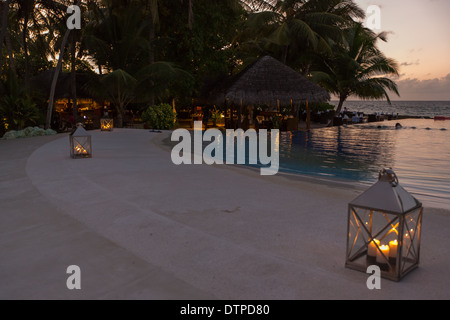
267 82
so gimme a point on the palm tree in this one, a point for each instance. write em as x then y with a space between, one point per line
34 13
291 27
4 6
358 68
55 76
117 38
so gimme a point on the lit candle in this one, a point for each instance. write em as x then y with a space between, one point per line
80 150
372 251
373 248
393 247
383 250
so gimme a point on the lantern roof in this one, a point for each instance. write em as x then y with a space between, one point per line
387 195
80 132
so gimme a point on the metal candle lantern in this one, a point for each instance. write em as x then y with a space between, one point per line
80 143
106 123
384 229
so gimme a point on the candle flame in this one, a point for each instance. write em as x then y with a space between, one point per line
80 150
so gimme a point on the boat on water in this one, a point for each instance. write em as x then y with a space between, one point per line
441 118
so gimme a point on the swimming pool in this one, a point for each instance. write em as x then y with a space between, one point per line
419 153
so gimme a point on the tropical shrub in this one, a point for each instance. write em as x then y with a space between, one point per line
216 116
318 106
160 117
17 107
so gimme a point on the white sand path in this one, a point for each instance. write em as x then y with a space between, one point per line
141 227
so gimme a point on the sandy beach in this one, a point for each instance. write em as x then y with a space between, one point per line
140 227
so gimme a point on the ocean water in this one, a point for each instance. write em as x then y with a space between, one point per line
429 109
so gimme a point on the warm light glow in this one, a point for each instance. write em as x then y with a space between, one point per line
107 124
384 250
80 150
373 247
393 247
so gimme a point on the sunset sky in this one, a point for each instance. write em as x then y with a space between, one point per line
420 41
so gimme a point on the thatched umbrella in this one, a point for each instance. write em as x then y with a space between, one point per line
268 82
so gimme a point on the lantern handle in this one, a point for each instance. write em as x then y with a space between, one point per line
390 174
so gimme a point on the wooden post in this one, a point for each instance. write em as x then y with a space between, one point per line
226 112
239 126
232 126
174 110
308 116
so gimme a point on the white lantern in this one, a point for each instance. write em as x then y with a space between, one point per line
80 143
384 229
106 124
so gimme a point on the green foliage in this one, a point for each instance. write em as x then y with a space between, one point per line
216 115
154 50
160 117
323 107
17 108
205 50
357 67
296 31
276 121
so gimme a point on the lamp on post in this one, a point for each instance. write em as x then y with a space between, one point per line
384 229
80 143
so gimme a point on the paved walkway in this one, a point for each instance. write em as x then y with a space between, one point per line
141 228
38 241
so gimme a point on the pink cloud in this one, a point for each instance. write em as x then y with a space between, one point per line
430 89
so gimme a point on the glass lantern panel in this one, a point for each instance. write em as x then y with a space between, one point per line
107 124
81 146
383 229
373 239
358 235
411 239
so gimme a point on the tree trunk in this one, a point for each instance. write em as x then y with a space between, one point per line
73 78
120 116
341 104
55 77
342 99
152 35
4 25
308 116
55 80
12 64
25 52
285 54
191 15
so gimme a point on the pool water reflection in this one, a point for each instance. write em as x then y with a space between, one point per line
419 153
